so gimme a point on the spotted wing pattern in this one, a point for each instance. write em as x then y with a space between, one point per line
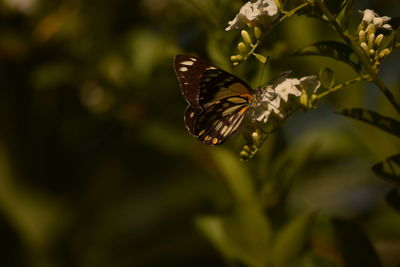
217 100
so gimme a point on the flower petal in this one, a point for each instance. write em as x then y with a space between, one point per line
287 87
371 17
260 11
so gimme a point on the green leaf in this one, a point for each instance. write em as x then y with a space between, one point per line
393 199
344 14
249 235
292 240
382 122
212 227
354 246
389 169
334 6
333 49
239 237
235 175
245 227
327 78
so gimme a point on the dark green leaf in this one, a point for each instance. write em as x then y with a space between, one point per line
382 122
355 247
333 49
334 6
240 236
389 169
246 229
248 232
212 227
327 78
292 240
393 199
346 7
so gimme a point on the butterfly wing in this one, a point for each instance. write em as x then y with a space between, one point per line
189 71
202 82
217 100
218 121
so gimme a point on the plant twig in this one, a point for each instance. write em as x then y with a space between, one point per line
294 10
342 85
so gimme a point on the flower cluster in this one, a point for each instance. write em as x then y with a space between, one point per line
371 17
274 99
370 34
274 104
256 15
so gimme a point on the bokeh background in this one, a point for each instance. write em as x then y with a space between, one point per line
97 169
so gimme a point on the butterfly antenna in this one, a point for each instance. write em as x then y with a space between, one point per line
262 73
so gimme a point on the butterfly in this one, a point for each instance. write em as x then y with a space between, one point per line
217 100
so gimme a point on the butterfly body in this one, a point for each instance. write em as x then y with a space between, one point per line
217 100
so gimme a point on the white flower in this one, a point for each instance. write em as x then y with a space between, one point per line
380 22
293 86
270 102
263 11
368 15
371 17
288 87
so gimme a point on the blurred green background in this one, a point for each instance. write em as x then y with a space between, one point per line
97 169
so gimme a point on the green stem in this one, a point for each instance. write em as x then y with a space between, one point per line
342 85
348 38
279 5
294 10
253 48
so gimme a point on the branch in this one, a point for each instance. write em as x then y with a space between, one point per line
342 85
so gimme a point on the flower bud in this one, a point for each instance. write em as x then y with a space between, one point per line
233 58
260 58
361 36
244 155
364 46
304 100
371 39
242 47
256 137
385 52
246 37
370 29
371 52
314 98
257 32
246 148
378 40
361 27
